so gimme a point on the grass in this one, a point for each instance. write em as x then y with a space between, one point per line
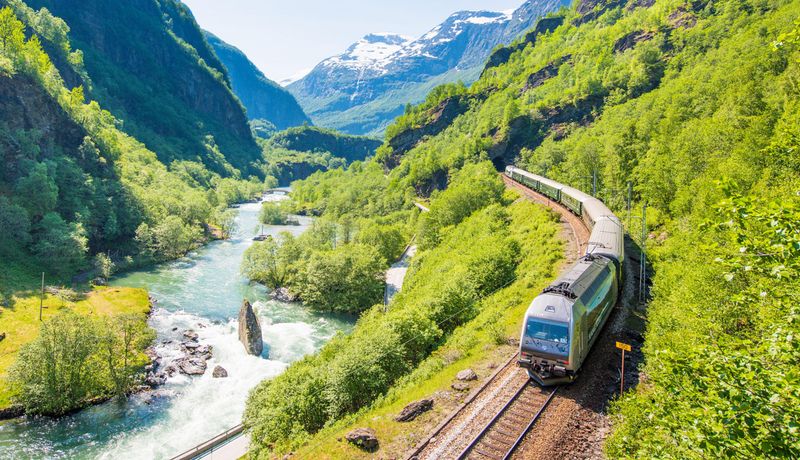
481 344
20 321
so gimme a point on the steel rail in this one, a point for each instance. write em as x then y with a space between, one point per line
473 395
477 439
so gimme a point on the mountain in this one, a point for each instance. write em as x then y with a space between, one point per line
263 98
363 89
149 64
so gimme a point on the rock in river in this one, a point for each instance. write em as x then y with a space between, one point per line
250 330
219 372
283 295
364 438
414 410
192 366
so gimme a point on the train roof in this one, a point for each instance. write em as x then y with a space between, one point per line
551 307
577 280
607 238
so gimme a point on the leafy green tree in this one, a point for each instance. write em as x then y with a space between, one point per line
104 265
122 340
273 213
226 221
174 238
14 224
348 278
273 262
12 32
59 246
39 189
389 240
57 372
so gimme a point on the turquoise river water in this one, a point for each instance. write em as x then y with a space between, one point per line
203 292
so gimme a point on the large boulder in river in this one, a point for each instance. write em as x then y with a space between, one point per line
250 330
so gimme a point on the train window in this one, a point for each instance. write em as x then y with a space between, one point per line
548 336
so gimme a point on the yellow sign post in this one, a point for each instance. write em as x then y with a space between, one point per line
624 347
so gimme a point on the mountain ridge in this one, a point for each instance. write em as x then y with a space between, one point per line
361 90
263 98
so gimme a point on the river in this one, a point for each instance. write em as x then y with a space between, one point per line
203 292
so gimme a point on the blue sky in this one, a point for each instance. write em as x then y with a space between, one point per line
286 37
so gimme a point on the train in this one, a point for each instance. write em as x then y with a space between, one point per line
564 321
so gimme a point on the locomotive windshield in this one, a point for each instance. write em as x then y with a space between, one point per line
547 336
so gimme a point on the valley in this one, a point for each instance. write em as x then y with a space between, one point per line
501 203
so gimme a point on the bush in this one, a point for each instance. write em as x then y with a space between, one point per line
273 214
349 278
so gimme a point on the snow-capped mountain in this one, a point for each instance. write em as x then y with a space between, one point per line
361 90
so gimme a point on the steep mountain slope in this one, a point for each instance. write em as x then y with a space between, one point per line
150 65
263 98
363 89
72 183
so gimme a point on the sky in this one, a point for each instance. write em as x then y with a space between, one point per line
287 38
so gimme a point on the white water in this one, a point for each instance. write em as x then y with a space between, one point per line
202 293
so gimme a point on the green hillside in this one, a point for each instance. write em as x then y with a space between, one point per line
148 63
696 105
72 183
298 152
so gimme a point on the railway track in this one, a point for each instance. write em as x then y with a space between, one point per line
505 432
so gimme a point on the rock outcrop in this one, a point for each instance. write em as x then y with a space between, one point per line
250 330
363 438
467 375
460 386
414 410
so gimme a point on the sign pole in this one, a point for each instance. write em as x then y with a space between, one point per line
624 347
41 299
622 375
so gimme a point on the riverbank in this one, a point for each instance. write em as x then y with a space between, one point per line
202 292
20 321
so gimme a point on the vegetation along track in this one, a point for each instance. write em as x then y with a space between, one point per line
471 420
504 433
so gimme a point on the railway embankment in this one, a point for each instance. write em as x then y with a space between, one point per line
574 422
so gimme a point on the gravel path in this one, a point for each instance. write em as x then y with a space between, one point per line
396 274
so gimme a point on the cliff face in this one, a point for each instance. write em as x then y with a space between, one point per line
263 98
151 67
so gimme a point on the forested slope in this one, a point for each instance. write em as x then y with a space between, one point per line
696 105
72 183
149 64
298 152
